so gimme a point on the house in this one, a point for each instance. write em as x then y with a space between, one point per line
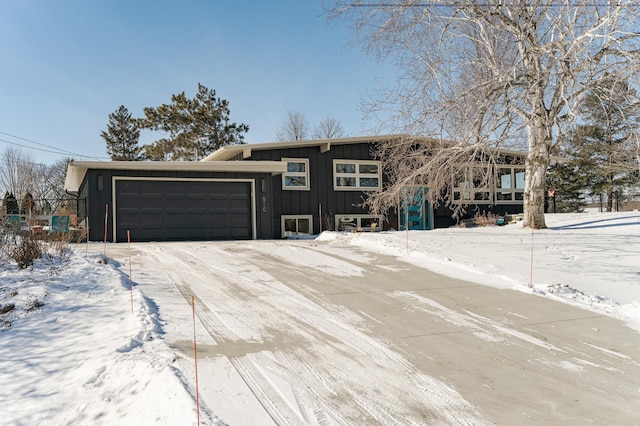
327 180
263 191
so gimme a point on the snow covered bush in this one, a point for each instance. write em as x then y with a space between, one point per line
26 251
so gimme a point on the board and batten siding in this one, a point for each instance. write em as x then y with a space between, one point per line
97 188
321 192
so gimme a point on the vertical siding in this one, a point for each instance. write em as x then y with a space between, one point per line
321 190
97 200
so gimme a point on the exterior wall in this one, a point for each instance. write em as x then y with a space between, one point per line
307 202
443 216
96 192
321 189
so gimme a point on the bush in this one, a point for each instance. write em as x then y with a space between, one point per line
57 253
26 251
485 219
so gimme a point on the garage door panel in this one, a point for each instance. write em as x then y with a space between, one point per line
183 210
149 204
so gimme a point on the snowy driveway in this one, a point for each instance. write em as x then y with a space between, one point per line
311 332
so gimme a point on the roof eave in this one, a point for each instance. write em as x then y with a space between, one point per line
77 170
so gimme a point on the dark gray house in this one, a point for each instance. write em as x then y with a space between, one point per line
327 180
262 191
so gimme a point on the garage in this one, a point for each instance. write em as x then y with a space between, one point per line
179 210
174 200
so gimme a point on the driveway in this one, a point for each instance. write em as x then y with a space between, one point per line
312 332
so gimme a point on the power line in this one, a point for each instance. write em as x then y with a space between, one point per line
477 4
53 150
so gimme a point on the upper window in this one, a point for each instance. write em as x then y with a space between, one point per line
470 186
509 184
356 175
297 174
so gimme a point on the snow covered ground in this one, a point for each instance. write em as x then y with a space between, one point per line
80 348
591 260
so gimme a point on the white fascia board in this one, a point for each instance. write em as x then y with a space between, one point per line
228 151
78 169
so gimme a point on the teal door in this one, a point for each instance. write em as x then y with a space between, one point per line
416 210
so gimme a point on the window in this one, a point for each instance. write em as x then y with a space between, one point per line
356 175
366 222
509 184
470 186
296 225
297 175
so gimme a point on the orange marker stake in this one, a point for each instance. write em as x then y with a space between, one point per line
195 356
130 278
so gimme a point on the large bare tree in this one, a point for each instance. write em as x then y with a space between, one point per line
18 172
490 74
294 128
328 128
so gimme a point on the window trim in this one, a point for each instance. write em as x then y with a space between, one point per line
358 225
514 189
304 174
357 175
283 217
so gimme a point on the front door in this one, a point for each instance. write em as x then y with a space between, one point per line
415 210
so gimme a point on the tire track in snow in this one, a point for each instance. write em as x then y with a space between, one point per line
442 399
277 407
336 373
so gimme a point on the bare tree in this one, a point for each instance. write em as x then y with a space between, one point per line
295 128
489 74
18 172
328 128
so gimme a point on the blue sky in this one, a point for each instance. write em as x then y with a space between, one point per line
66 65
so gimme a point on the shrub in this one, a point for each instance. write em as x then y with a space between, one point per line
26 251
57 253
485 219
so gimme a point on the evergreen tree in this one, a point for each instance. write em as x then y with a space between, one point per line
612 114
122 136
27 205
10 204
569 181
196 127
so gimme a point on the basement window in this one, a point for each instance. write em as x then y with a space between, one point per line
367 222
296 225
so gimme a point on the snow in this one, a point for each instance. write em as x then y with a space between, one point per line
591 260
81 346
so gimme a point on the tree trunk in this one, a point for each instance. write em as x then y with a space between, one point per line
535 172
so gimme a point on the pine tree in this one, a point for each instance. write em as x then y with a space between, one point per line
196 127
612 112
10 204
569 181
27 205
122 136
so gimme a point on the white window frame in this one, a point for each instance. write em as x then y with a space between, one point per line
304 174
357 175
284 217
466 192
513 190
356 222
